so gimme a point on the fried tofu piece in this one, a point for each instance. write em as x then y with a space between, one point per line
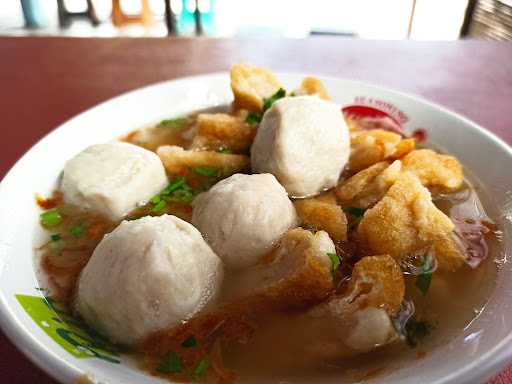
377 281
439 173
405 221
367 187
222 131
345 325
322 215
312 86
297 274
251 85
362 315
153 137
370 147
178 161
367 123
352 123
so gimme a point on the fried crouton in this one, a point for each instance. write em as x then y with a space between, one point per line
178 161
367 187
439 173
323 215
406 220
251 85
222 131
370 147
312 86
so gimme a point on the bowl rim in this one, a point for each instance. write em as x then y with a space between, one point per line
56 367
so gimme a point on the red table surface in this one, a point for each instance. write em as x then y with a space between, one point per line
45 81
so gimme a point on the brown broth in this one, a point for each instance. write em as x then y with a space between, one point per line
452 302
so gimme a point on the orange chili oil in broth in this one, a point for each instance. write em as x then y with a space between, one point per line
452 302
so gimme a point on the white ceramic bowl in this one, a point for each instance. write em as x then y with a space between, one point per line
66 352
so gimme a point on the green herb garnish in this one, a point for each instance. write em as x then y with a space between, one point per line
425 274
253 118
356 214
50 218
178 123
335 263
206 171
77 230
416 330
177 191
354 211
56 237
181 196
226 151
200 369
175 185
171 363
189 342
159 206
267 103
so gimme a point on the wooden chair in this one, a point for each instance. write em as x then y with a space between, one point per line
65 16
120 19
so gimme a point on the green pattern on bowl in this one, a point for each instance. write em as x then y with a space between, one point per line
70 333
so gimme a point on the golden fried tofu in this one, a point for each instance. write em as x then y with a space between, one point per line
222 131
369 123
323 215
368 186
251 85
370 147
153 137
345 325
297 273
312 86
405 221
178 161
377 281
439 173
352 123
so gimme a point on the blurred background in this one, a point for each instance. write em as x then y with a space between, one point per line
374 19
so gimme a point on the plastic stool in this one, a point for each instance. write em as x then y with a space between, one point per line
120 19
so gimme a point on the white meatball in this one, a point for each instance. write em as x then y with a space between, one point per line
304 142
147 275
112 178
373 328
243 216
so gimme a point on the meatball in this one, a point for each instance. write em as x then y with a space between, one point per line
147 275
112 178
304 142
243 216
